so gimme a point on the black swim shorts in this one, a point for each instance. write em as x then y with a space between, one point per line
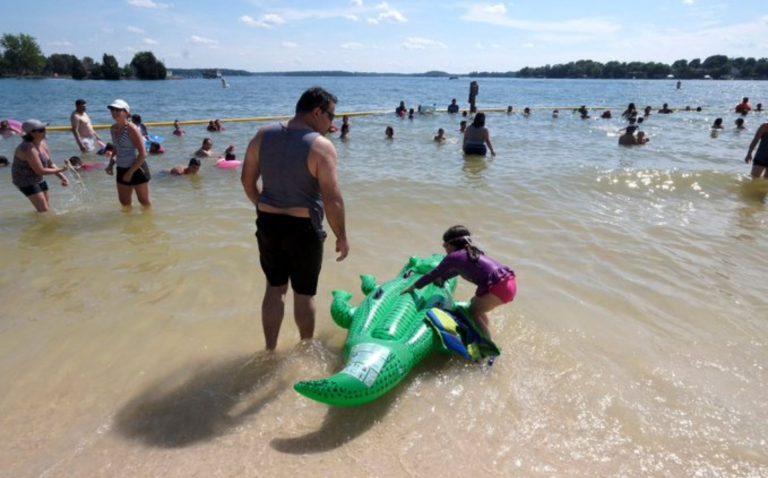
478 149
761 159
289 249
36 188
141 175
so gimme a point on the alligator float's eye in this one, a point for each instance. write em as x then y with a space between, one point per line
379 293
408 273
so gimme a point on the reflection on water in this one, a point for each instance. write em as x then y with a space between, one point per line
754 191
473 168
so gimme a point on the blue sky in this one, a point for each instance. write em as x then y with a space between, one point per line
392 36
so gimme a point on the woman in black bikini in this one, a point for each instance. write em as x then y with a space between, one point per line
760 163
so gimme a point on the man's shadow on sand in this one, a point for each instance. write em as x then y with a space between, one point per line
180 411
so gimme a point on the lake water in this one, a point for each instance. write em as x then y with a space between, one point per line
131 344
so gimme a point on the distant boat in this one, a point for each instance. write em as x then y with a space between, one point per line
224 83
453 77
707 77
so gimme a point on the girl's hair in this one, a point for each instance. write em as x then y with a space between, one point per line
459 237
479 122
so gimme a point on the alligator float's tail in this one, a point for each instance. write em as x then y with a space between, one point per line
372 370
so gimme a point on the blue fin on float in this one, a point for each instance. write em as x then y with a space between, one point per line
461 336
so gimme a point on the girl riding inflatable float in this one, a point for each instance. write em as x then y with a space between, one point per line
391 332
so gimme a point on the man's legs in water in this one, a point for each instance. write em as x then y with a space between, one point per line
272 311
304 314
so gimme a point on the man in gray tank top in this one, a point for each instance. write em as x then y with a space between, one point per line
297 166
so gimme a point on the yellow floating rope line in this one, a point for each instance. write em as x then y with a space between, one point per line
339 115
206 121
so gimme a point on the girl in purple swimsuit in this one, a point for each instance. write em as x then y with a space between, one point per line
496 284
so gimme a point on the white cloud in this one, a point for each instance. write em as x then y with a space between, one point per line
147 4
497 15
149 41
135 30
357 3
248 20
202 40
60 43
689 2
290 44
735 39
417 43
352 17
387 14
498 9
269 20
352 46
528 45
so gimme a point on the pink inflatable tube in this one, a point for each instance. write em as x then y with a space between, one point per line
15 125
224 164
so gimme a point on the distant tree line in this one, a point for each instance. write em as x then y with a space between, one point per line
20 55
715 67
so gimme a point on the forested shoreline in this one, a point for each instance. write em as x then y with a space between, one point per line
21 57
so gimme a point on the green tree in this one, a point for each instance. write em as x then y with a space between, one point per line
110 68
60 64
717 65
96 72
127 71
657 70
88 63
680 69
613 69
22 55
147 67
78 70
761 69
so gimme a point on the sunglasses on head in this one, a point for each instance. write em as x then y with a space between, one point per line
38 130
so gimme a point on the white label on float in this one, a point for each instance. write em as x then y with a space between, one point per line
366 361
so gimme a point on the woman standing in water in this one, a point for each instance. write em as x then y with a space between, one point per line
130 155
476 137
760 163
32 161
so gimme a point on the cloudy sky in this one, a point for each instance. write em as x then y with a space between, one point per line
407 36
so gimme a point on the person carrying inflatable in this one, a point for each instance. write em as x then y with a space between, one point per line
496 283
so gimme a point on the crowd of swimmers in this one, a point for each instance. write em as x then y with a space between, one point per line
476 139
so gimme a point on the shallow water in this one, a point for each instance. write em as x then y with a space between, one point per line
130 342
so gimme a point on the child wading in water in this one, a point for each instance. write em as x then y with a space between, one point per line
496 284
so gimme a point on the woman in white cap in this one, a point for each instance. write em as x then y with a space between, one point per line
32 161
130 156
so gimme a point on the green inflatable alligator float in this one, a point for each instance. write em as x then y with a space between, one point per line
390 333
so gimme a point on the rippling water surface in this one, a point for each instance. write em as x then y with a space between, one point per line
130 342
